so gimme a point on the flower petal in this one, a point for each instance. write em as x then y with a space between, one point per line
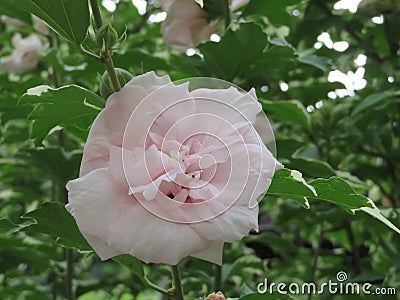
96 201
232 225
152 239
212 253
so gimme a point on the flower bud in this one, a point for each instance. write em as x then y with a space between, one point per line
106 37
216 296
106 88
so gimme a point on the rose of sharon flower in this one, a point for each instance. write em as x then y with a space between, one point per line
11 21
168 173
38 24
216 296
187 24
25 56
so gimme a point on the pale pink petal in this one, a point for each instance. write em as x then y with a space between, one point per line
109 126
229 104
93 214
150 81
102 249
152 239
230 226
186 25
212 253
25 56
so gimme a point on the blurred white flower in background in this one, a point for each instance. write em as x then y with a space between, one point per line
25 56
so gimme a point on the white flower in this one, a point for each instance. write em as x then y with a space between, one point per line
25 56
187 24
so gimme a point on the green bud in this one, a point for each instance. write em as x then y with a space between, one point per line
106 37
106 88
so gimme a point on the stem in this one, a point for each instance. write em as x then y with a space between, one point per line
69 274
111 72
105 54
217 278
227 13
178 292
316 256
155 287
68 254
96 13
59 190
354 249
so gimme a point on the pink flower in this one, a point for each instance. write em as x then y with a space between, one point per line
216 296
187 24
38 24
168 173
11 21
25 56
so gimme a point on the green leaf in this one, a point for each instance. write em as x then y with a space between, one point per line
248 43
290 184
143 62
275 11
311 167
53 219
322 63
134 265
69 18
276 242
376 213
9 9
6 225
71 107
373 100
9 109
291 111
339 192
272 59
244 264
286 147
55 163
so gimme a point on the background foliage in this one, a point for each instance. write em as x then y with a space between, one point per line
342 136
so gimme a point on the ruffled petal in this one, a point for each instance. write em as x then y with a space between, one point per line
228 104
230 226
97 201
103 250
212 253
152 239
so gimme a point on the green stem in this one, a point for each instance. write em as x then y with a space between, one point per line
354 248
178 292
69 274
68 254
317 251
96 13
111 72
155 287
217 278
227 13
106 54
